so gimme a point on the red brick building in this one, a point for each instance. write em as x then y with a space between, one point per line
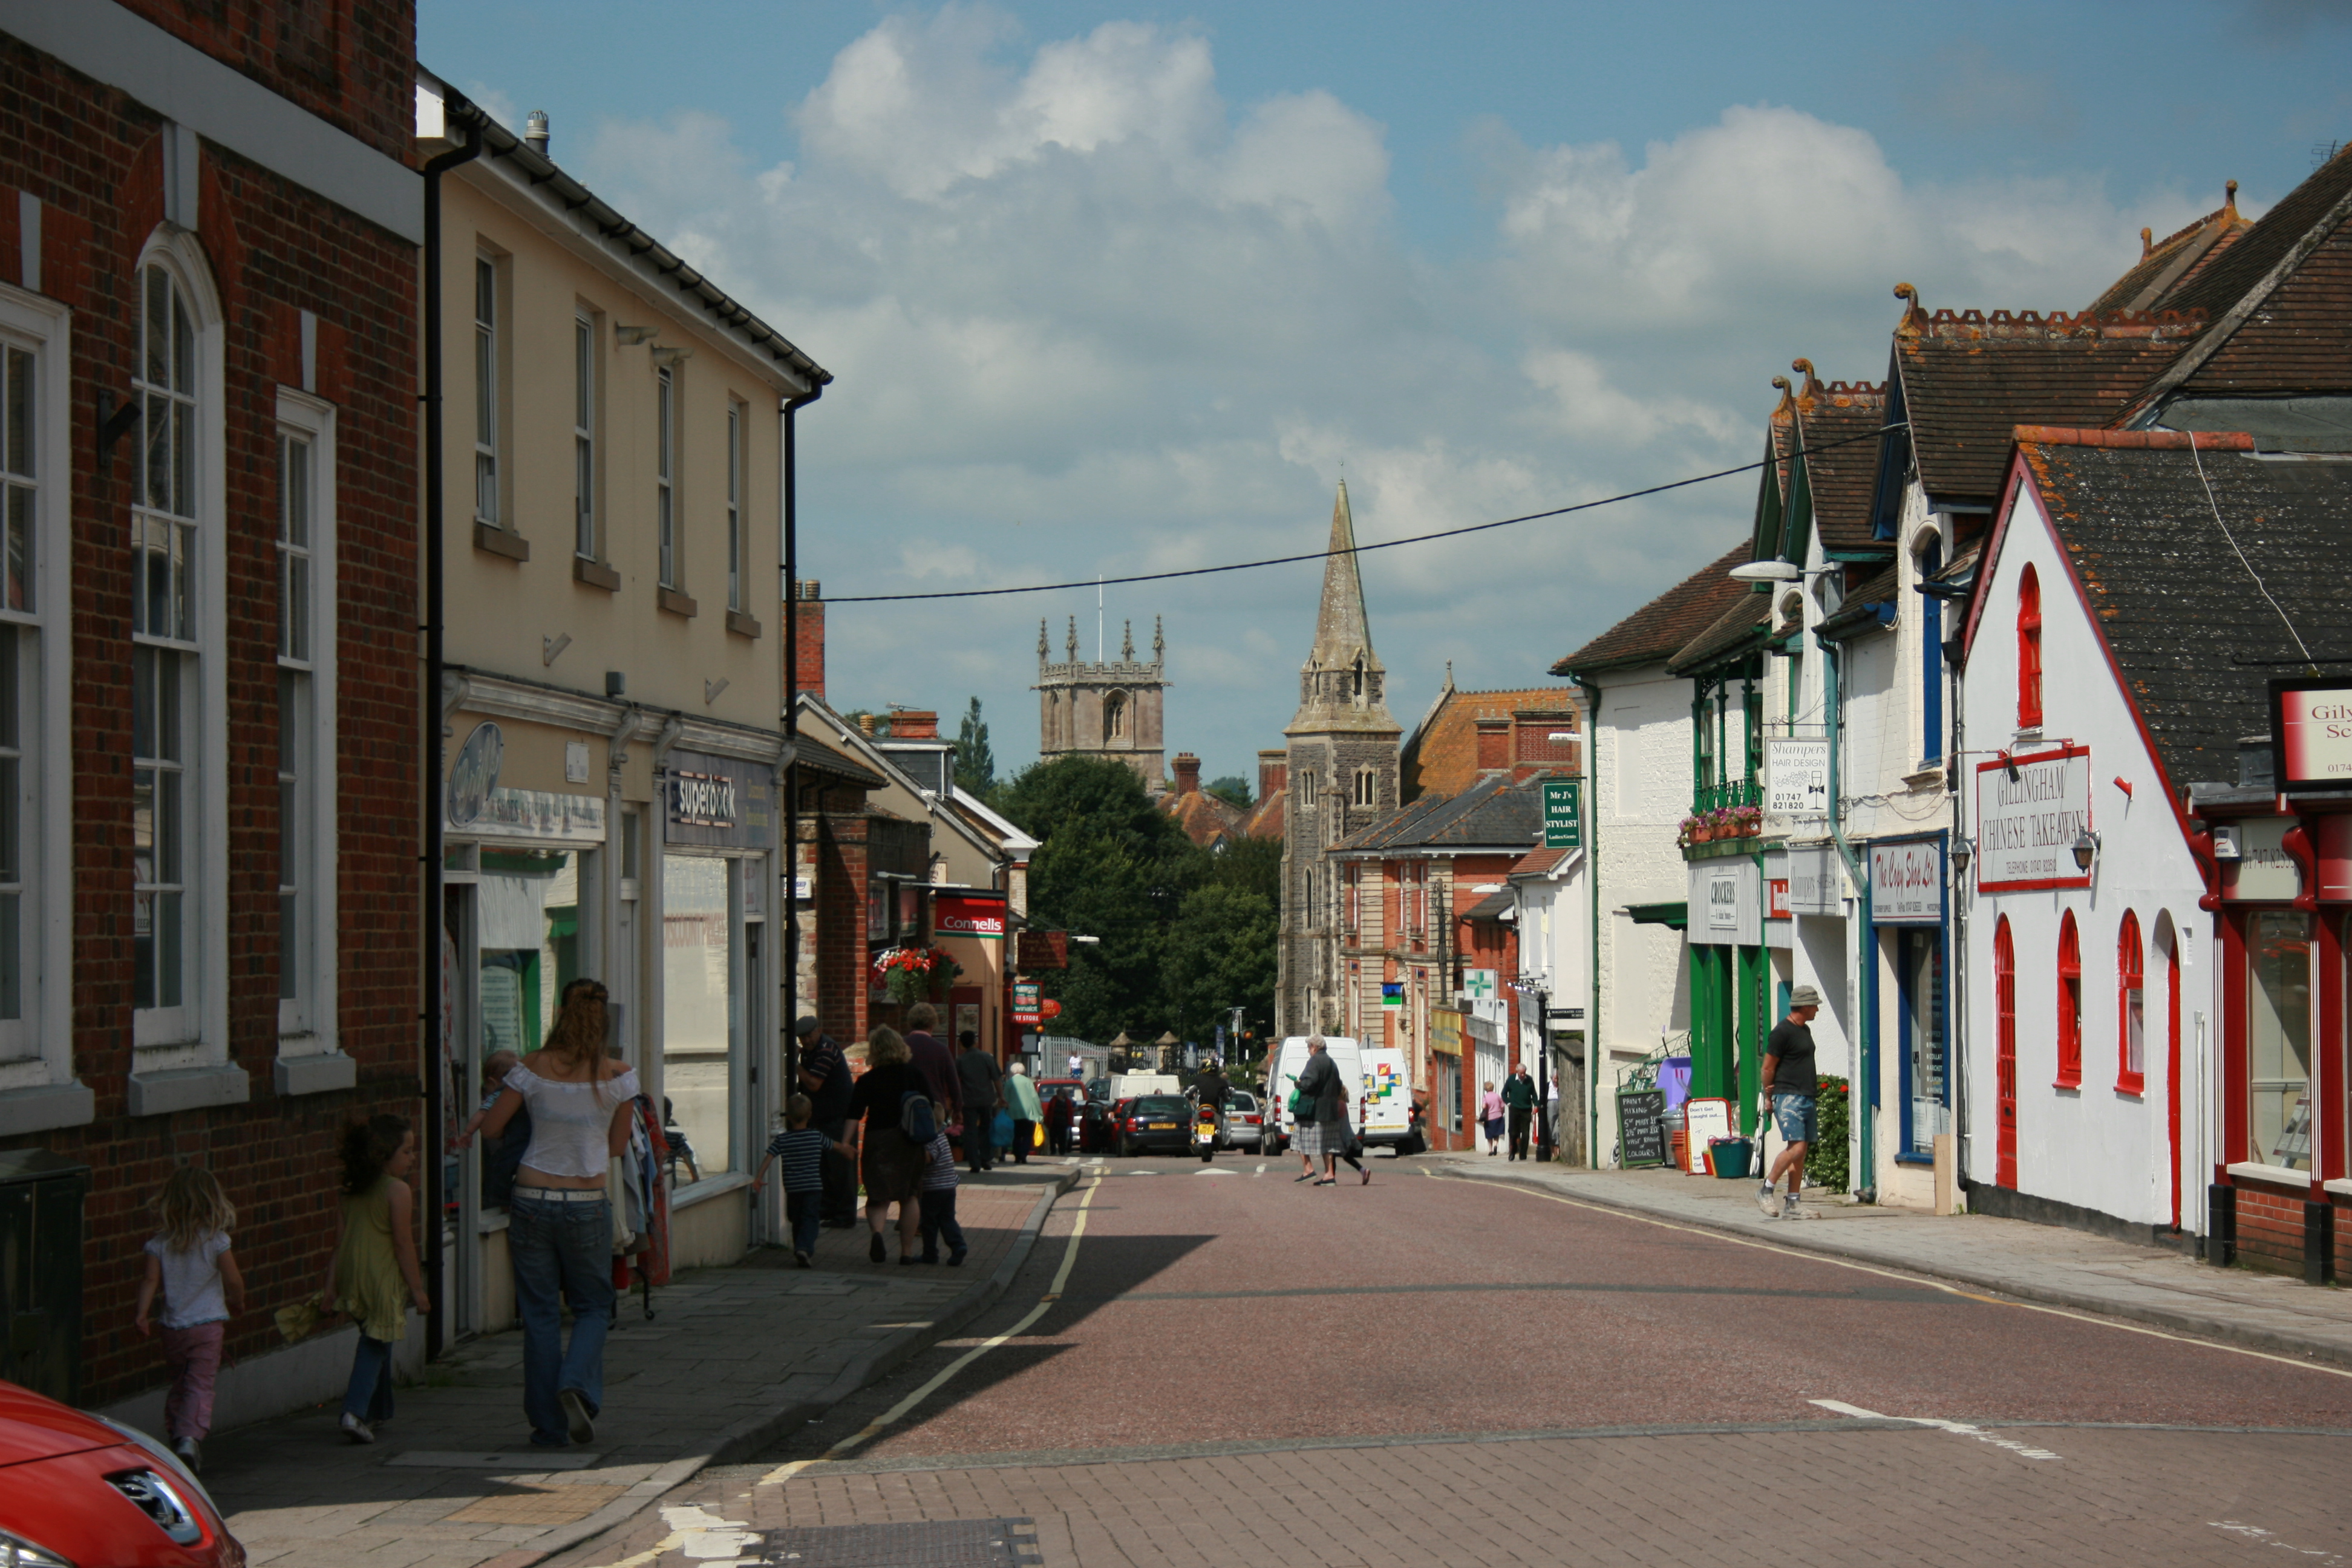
208 920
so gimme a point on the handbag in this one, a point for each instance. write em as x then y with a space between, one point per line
1002 1130
1302 1105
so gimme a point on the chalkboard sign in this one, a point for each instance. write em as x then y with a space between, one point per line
1641 1127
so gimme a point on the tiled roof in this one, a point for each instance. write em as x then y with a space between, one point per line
2298 337
1856 609
1443 754
1970 378
1493 907
1653 634
1494 811
819 757
1842 473
1204 817
1748 615
1265 820
1536 862
2167 265
2262 246
2192 632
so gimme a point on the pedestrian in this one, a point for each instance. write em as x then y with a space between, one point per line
1021 1095
502 1155
1549 1142
1790 1090
931 1058
888 1162
560 1223
978 1077
826 1079
373 1278
1328 1134
1490 1117
802 1148
1059 1113
190 1262
1519 1103
939 1205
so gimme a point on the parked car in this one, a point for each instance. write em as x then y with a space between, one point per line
1047 1088
1095 1133
1155 1124
77 1491
1244 1124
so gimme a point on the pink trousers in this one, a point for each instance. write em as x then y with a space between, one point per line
195 1356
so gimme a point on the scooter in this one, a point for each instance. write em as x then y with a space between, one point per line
1206 1125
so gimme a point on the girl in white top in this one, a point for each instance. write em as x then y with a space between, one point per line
560 1224
190 1264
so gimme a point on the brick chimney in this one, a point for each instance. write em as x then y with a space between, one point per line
1494 744
914 724
808 651
1188 774
1273 773
1533 748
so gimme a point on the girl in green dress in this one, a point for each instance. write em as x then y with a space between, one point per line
375 1277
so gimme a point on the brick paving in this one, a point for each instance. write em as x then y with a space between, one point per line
452 1482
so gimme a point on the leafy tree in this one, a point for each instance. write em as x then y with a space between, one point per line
1232 791
975 765
1221 955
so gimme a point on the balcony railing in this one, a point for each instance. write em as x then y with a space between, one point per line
1733 793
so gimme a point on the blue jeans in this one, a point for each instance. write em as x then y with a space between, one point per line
806 1212
1799 1116
938 1221
566 1248
369 1395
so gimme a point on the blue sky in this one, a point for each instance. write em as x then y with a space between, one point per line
1122 288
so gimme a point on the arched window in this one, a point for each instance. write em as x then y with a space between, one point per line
1367 785
1115 715
1930 560
2004 997
2029 650
2131 1010
1358 692
2070 1005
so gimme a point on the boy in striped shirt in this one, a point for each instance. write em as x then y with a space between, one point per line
939 1189
802 1148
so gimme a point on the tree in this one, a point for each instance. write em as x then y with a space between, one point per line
1232 791
975 765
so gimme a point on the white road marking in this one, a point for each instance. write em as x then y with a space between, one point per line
1259 1171
1957 1428
1212 1171
2258 1536
700 1534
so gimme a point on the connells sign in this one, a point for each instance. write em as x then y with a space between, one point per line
2030 812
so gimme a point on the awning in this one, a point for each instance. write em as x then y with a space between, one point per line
1676 914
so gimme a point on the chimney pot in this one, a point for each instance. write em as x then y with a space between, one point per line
1188 774
1273 773
808 638
914 724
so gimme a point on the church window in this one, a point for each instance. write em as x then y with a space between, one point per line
1306 788
1358 692
1115 715
1367 785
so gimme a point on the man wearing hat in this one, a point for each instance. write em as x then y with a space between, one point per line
826 1080
1790 1086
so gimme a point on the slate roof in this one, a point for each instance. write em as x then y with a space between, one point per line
2167 265
2191 632
815 754
1493 907
1494 811
1841 478
1654 633
1857 608
1970 378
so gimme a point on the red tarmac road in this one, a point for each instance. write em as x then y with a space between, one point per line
1502 1376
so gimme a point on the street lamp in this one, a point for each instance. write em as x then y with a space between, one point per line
2087 850
1962 853
1765 572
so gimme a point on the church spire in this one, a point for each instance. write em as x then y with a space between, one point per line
1343 685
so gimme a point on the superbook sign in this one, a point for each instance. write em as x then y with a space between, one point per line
2030 812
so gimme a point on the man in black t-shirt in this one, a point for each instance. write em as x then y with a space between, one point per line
1790 1086
825 1079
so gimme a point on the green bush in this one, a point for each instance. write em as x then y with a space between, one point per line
1825 1161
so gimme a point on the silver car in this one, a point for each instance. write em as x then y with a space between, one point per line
1245 1127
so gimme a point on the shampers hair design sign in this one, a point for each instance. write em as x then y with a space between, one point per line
2030 812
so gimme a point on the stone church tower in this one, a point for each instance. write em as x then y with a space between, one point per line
1106 709
1342 765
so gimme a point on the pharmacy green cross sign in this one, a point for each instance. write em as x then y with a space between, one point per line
1563 819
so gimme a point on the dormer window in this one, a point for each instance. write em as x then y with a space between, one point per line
2029 650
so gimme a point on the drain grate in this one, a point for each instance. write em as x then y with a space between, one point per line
943 1543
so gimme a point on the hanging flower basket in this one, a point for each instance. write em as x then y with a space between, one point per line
908 974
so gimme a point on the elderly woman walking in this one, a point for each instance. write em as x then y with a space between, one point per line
888 1162
1490 1117
1328 1135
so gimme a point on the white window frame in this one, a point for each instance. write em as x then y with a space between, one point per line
36 1079
307 1021
734 505
490 431
195 1033
666 549
585 542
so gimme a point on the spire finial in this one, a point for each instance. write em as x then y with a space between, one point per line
1072 644
1041 640
1915 315
1159 643
1787 406
1127 642
2147 242
2230 202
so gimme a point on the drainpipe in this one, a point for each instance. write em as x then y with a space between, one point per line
1593 882
789 775
429 758
1865 1068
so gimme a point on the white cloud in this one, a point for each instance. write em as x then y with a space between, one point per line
1085 315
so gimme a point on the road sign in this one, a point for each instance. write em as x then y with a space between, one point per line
1563 814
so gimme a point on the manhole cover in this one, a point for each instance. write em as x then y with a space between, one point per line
945 1544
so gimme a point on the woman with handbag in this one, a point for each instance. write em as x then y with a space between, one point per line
1328 1134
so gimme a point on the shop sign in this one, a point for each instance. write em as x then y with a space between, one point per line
534 815
1563 814
1482 989
475 773
2334 836
1027 1005
1446 1031
2311 734
2030 812
1816 880
1727 904
717 803
1034 949
1906 883
1796 776
1775 898
2262 871
962 914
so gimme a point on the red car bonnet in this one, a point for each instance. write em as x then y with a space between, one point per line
33 1427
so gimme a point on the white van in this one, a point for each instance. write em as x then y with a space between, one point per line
1387 1118
1282 1077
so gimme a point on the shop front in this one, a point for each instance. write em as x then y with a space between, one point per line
1731 975
969 926
1909 927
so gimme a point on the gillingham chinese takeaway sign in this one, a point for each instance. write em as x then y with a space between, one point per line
2311 734
1906 882
2030 812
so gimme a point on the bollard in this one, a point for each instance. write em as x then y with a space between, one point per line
2221 1225
2318 1244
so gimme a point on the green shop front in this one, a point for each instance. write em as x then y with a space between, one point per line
1733 975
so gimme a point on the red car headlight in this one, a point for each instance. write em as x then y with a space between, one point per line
16 1551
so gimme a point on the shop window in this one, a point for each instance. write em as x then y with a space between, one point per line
527 921
2004 995
2029 650
2131 1009
2278 1038
1921 956
701 1007
2070 1005
305 725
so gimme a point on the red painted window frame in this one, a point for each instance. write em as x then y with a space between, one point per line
2029 649
2004 992
2069 1004
2172 1058
2131 974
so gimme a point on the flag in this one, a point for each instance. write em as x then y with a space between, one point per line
1391 993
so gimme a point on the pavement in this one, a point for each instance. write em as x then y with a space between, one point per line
733 1357
2028 1262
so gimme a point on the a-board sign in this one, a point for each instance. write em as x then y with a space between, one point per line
1641 1127
1704 1119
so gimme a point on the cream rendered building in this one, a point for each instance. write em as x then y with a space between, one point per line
614 432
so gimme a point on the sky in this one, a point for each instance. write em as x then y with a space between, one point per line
1130 288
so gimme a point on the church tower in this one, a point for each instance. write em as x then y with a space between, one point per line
1110 709
1342 764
